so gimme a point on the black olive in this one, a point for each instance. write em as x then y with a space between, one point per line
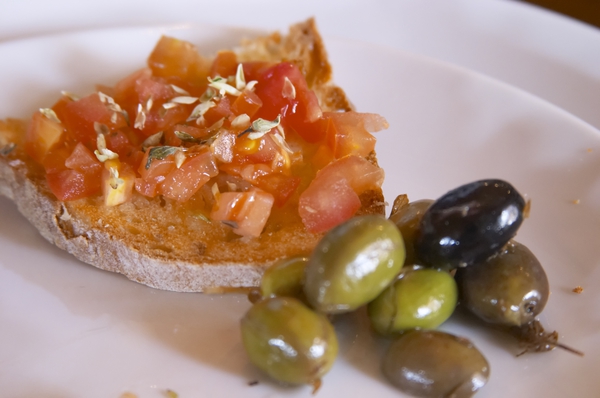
469 224
510 288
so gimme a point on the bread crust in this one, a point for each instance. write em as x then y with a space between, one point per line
149 240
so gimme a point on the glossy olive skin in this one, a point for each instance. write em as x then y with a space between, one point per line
434 364
353 263
469 224
289 341
510 288
407 219
419 298
284 278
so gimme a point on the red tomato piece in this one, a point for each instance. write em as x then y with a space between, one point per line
160 119
178 59
79 118
55 161
124 91
353 132
224 65
282 187
218 112
247 102
84 161
322 206
151 177
153 87
182 183
249 211
81 179
70 185
297 108
332 197
42 134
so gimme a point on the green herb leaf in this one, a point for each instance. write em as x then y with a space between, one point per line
160 152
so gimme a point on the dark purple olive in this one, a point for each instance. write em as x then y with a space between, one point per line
469 224
510 288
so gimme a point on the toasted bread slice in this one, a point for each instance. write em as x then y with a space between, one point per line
155 241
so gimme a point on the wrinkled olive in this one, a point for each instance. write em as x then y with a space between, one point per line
469 224
289 341
434 364
419 298
353 263
408 218
284 278
510 288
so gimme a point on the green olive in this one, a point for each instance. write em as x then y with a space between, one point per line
284 278
432 364
419 298
510 288
289 341
407 218
353 263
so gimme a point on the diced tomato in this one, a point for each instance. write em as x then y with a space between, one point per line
224 65
324 205
218 112
153 87
249 211
80 179
60 105
79 118
119 142
332 197
70 185
253 70
55 160
124 91
160 119
247 102
41 136
296 110
353 132
282 187
177 59
84 161
151 177
180 184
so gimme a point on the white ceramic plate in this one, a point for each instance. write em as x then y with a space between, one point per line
70 330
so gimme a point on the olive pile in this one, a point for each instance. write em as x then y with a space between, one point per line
403 269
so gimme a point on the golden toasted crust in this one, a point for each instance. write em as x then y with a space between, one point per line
155 241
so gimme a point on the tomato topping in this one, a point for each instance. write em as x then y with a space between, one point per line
218 112
259 138
80 118
178 60
284 92
247 212
42 134
79 179
224 65
83 160
181 183
282 187
353 132
246 103
332 197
